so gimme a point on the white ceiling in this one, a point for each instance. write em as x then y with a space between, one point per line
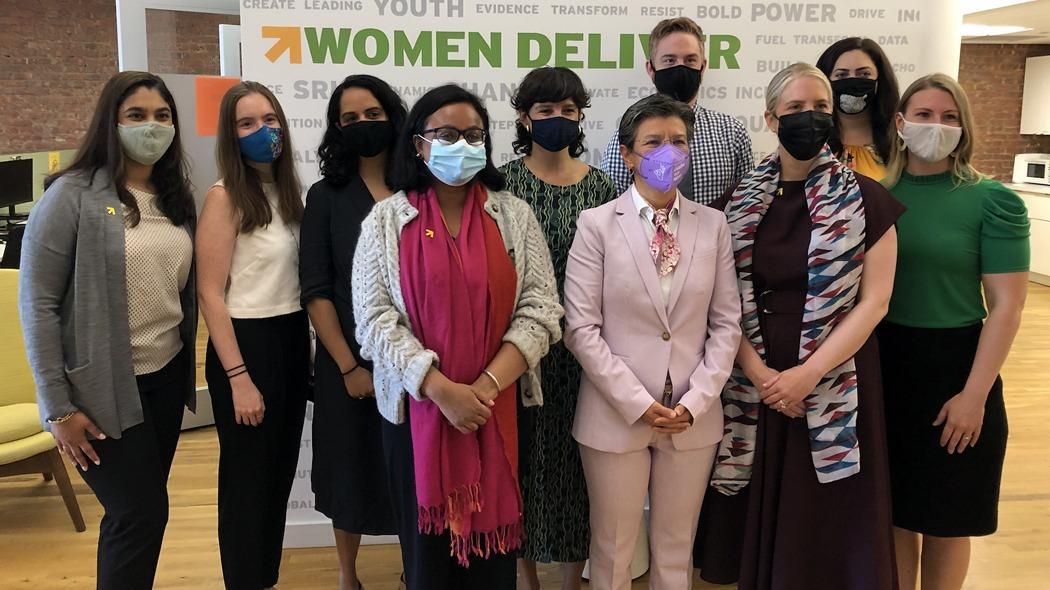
1034 15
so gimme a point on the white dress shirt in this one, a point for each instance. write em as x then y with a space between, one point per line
646 214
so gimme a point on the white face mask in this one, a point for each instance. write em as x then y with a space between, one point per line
932 142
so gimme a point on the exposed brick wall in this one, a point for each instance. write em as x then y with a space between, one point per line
184 42
54 59
993 77
56 56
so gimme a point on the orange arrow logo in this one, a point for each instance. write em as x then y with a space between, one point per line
288 40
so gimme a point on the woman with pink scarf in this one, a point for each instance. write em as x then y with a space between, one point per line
456 303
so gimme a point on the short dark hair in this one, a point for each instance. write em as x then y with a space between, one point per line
548 84
101 150
669 26
887 94
338 167
652 106
406 171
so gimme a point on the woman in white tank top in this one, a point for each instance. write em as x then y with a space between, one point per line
257 363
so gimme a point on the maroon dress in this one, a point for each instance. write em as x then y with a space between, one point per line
786 530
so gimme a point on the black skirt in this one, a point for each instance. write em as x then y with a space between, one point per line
936 493
349 472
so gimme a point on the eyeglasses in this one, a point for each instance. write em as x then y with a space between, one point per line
450 135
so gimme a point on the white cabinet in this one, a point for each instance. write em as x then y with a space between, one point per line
1035 106
1039 215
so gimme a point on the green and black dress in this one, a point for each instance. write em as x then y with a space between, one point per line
951 236
552 484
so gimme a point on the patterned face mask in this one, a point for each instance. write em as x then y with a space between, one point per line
664 167
263 146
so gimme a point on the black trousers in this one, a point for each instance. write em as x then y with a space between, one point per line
426 558
131 482
257 463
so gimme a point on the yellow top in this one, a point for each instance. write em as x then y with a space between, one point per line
864 160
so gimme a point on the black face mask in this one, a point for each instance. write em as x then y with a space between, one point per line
804 134
679 82
368 138
555 133
854 95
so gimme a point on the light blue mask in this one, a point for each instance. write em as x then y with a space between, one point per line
456 164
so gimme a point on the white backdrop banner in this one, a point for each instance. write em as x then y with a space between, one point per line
302 49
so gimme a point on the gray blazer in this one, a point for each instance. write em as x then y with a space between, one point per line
73 302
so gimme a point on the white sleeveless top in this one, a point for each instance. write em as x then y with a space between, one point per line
264 272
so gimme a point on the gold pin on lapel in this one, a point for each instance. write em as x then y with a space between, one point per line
111 211
428 233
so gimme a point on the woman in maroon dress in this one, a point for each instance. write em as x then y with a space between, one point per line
802 472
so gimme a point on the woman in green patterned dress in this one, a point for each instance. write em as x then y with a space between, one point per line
558 186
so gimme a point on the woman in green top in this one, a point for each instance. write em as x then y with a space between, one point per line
944 403
558 186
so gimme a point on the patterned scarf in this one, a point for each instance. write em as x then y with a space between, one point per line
835 262
664 246
459 295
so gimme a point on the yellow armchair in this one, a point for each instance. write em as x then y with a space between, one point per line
25 447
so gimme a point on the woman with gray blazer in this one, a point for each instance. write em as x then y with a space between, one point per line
456 303
107 305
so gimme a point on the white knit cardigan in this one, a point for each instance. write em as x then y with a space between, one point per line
383 328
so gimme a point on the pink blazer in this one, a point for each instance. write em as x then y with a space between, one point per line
628 341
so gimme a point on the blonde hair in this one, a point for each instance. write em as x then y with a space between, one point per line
674 25
795 71
962 171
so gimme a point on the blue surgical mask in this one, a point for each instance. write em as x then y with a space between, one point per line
455 164
264 145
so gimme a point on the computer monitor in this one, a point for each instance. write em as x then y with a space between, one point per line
16 183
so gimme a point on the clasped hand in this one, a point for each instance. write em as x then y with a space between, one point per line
666 420
786 391
466 407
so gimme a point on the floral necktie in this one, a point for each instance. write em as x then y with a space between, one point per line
664 246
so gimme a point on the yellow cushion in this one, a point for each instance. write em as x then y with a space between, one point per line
25 448
17 381
19 421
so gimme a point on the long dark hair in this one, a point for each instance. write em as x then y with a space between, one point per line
406 171
101 150
241 181
883 130
337 166
548 84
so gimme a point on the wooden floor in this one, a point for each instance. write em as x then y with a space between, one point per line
39 549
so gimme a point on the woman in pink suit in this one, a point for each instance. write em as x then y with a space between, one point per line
653 316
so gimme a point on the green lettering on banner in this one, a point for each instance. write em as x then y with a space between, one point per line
562 50
445 47
526 41
406 52
492 50
382 47
324 46
724 48
594 53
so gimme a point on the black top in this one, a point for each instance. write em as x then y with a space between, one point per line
331 226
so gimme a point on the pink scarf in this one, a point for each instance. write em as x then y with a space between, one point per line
459 294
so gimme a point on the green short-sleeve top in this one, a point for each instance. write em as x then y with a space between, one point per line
950 236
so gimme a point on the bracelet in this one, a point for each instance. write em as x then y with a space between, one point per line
494 380
61 419
351 370
233 368
238 373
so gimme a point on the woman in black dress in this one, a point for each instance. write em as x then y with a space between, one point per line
801 495
349 478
